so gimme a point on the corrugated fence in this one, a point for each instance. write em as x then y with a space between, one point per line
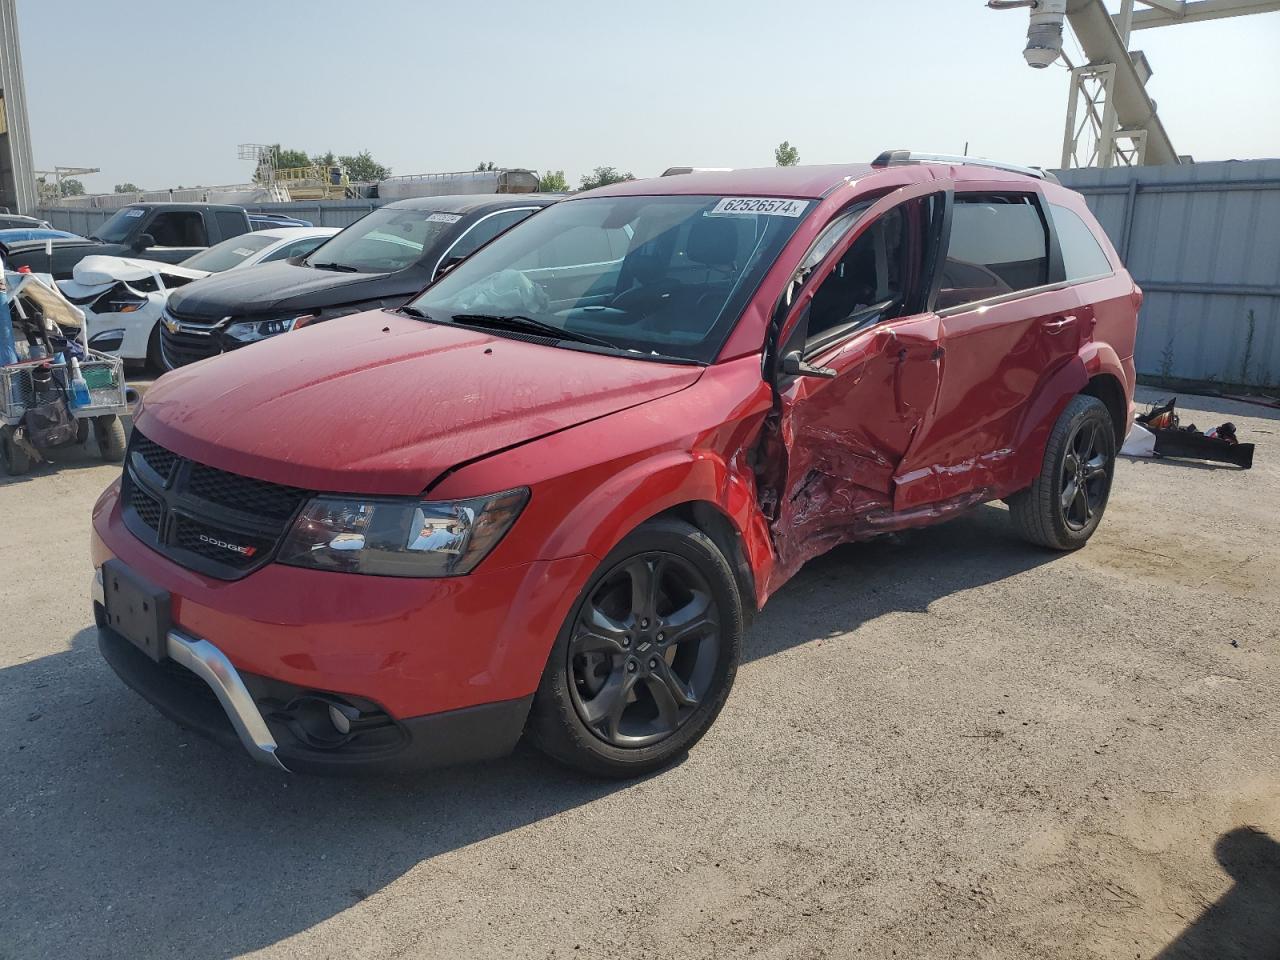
1203 242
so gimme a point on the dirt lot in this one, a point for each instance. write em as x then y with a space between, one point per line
941 745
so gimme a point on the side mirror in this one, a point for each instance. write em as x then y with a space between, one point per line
143 241
449 265
793 365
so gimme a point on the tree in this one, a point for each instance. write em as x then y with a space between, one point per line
786 155
128 188
553 181
484 166
72 188
603 176
363 168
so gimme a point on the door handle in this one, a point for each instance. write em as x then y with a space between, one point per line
1059 323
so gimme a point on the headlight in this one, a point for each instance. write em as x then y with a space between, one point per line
249 331
398 537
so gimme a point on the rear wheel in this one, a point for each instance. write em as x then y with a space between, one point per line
646 658
108 431
16 460
1064 505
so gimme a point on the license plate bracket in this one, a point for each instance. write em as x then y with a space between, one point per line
136 609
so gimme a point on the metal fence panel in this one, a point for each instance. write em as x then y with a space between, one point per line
1203 241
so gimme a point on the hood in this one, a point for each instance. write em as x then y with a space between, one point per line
377 403
257 289
94 273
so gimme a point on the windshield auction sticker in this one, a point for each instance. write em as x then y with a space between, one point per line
444 218
758 206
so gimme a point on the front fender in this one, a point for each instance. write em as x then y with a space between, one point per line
652 486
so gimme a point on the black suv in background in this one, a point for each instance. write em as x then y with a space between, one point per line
379 261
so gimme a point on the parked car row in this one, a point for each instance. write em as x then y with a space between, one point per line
540 479
123 298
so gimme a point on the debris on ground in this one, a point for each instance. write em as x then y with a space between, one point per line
1170 439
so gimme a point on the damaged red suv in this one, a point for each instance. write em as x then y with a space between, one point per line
546 497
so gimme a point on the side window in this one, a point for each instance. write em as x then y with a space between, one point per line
230 223
1082 255
178 229
299 248
998 245
868 284
486 230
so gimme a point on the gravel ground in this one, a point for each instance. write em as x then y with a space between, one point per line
943 744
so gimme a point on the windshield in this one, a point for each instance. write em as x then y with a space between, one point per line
383 241
655 275
228 253
119 226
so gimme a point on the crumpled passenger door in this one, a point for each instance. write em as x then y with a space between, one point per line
841 438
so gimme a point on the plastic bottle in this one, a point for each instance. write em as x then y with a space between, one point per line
79 389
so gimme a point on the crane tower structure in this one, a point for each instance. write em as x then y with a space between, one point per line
1111 118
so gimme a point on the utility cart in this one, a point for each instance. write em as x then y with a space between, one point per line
41 408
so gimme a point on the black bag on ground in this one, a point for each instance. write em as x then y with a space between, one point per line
49 425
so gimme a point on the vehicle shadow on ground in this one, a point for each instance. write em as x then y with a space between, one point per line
125 836
1245 922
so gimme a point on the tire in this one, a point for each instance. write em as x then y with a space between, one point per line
155 359
670 685
16 460
1064 505
108 431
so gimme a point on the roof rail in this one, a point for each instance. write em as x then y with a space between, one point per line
892 158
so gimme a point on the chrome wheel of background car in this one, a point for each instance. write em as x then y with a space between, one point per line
1084 476
643 651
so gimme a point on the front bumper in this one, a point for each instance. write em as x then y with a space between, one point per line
456 736
451 664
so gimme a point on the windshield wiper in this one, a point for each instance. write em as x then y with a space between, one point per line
409 310
522 323
340 267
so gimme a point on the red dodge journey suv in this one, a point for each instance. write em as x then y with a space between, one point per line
546 496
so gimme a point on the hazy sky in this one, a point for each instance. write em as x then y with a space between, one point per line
160 92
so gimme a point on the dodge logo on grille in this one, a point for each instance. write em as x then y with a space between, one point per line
233 547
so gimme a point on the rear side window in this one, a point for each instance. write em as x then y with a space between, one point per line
1082 255
485 230
998 246
178 229
230 223
299 248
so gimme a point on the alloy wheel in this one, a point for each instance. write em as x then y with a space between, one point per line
644 647
1085 476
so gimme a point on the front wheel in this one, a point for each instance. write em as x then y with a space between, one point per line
646 658
1064 505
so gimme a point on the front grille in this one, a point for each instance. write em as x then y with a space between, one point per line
239 552
195 340
148 508
219 523
244 493
155 456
